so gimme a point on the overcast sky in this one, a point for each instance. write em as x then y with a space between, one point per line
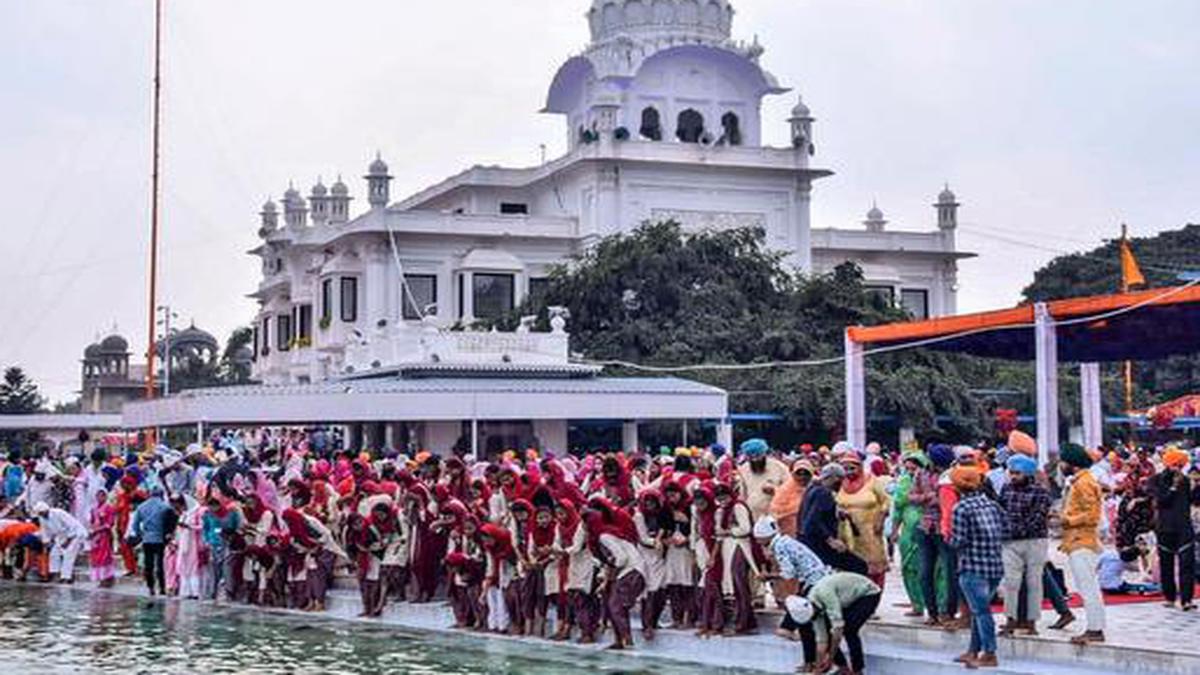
1053 121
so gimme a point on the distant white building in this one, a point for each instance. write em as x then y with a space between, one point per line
663 122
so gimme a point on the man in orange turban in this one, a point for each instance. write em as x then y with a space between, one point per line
1023 443
1172 492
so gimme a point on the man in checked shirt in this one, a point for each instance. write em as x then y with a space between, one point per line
978 534
1026 504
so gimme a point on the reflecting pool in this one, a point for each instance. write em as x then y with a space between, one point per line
61 630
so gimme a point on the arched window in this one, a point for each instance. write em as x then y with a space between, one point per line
651 124
733 131
690 126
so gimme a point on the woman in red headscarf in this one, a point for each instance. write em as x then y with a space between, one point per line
653 523
575 602
517 594
561 486
734 526
429 546
302 546
679 577
480 499
396 547
711 613
542 579
614 544
128 497
257 524
465 570
497 544
365 545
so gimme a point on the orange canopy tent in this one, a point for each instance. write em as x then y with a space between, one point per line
1142 325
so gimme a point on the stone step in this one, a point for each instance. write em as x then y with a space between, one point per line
890 647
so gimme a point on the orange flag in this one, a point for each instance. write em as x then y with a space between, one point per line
1131 274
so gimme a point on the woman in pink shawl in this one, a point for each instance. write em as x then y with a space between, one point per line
103 519
191 552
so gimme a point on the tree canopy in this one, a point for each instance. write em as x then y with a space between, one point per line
660 296
1098 272
18 394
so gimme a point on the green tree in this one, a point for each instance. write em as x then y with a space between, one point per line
658 296
1098 272
235 367
19 394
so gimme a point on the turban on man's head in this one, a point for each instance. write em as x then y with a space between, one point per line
755 447
1023 443
1174 458
941 455
966 478
1075 455
1022 464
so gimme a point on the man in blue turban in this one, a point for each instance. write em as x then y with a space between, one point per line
760 476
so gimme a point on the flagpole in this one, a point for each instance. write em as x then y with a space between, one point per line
1125 289
151 388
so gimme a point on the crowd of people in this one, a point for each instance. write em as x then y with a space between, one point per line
569 548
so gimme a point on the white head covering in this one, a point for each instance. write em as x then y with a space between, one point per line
799 608
766 528
41 508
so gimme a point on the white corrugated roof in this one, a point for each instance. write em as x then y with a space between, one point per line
444 398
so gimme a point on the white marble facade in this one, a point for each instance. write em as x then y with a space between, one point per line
663 119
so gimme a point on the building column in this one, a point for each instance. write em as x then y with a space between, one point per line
725 434
467 279
389 435
200 433
856 395
629 436
375 259
1046 348
475 438
1089 396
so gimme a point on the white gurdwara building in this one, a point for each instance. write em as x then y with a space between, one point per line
663 120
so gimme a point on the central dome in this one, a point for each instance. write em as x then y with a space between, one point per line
712 19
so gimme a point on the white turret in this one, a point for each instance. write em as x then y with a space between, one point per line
339 203
875 221
295 213
378 183
318 202
270 219
947 210
802 127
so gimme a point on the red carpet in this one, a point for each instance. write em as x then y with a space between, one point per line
1074 601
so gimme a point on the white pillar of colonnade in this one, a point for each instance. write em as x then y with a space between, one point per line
1045 342
629 436
1046 365
725 434
1093 415
856 394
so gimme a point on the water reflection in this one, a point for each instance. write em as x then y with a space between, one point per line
58 630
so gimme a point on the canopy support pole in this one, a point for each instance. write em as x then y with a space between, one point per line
629 436
1046 348
856 396
1093 417
725 434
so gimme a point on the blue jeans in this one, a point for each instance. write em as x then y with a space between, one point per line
978 593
